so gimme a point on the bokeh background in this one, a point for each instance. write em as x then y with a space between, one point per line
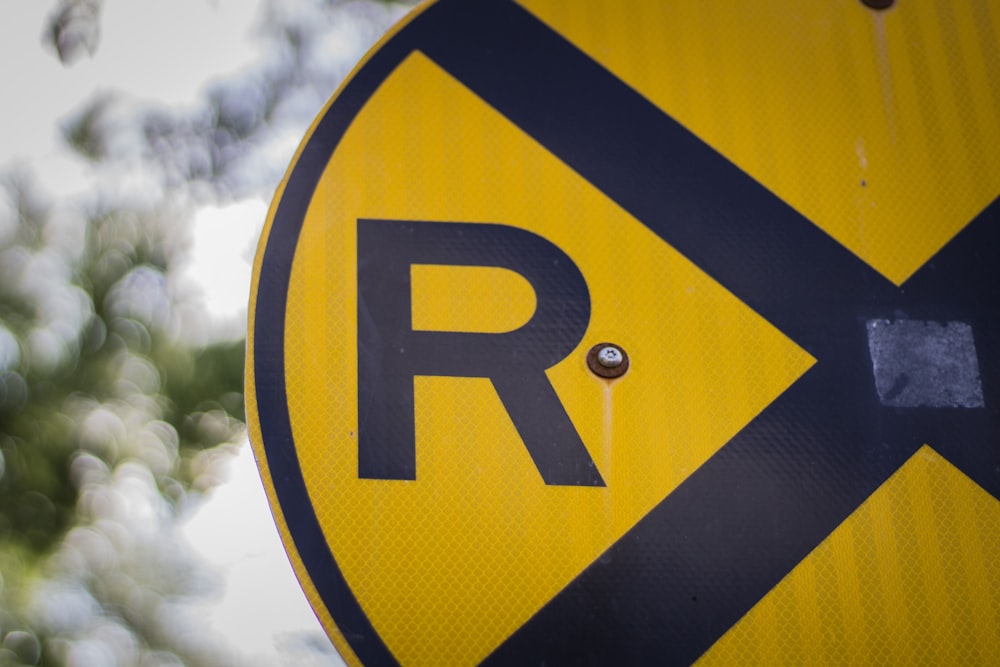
140 144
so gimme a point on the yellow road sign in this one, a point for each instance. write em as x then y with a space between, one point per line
783 215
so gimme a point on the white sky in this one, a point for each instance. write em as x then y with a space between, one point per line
263 601
164 50
222 257
151 48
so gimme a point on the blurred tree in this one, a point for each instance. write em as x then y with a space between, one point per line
114 407
104 411
74 29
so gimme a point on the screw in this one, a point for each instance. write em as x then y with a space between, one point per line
607 360
609 357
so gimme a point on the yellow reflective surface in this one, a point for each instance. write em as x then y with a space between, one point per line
880 127
469 298
449 565
912 577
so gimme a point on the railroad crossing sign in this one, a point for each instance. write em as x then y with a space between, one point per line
592 334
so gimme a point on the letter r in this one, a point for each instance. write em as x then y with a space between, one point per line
391 353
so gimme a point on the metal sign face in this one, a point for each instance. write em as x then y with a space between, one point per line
778 223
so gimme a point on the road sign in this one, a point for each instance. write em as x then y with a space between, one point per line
780 222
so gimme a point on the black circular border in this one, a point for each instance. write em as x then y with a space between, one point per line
269 335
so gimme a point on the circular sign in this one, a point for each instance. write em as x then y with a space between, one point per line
785 214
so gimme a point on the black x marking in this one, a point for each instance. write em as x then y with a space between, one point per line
696 564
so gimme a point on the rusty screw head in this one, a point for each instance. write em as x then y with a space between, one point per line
607 360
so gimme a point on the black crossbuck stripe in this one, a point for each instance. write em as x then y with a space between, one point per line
676 582
700 560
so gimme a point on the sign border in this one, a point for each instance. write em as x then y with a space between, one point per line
267 414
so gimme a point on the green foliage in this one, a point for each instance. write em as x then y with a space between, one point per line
74 29
96 338
83 131
95 381
114 412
